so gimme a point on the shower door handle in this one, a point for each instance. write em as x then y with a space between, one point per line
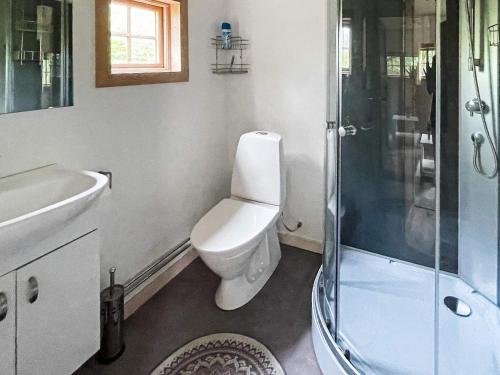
347 130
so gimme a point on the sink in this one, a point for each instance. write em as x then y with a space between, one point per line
38 203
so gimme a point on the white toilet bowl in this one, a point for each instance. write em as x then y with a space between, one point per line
238 239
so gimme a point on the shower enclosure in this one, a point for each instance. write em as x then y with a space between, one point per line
410 282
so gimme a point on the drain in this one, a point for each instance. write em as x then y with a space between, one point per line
457 306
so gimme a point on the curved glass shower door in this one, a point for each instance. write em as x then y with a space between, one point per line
411 272
381 208
387 180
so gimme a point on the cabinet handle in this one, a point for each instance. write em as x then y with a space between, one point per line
4 308
33 289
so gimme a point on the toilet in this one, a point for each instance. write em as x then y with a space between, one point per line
238 238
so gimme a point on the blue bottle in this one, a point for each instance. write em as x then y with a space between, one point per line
226 35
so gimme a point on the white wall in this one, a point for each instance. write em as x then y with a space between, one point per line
165 144
285 92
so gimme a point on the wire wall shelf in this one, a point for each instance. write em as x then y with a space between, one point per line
493 35
28 26
236 43
230 68
229 57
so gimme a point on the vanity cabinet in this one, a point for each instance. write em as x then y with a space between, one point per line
49 311
58 309
8 324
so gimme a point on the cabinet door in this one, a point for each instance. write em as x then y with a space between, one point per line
8 324
58 309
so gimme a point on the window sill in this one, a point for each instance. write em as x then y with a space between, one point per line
116 71
134 77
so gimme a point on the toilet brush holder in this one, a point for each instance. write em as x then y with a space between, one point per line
112 318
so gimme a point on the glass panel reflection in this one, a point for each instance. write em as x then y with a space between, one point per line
388 95
36 61
386 308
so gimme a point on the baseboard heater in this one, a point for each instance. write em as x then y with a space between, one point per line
148 272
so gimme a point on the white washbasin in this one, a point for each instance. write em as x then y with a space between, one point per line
35 204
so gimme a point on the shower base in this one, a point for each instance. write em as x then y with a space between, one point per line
386 321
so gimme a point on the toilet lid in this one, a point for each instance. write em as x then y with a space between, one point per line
232 224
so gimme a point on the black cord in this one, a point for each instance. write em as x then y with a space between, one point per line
297 227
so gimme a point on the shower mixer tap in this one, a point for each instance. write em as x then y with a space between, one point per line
473 106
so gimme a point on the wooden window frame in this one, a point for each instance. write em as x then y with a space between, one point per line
108 76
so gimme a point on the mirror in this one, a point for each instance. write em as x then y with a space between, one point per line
35 54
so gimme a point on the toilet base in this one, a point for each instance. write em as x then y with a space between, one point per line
233 294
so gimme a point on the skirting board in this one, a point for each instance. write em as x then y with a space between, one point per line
299 242
142 294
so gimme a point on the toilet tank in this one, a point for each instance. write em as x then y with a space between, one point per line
258 168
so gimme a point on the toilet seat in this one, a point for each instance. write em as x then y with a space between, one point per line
232 225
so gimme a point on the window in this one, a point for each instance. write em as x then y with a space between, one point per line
411 66
137 31
346 46
393 66
141 42
426 54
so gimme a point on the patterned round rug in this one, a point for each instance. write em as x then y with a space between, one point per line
221 354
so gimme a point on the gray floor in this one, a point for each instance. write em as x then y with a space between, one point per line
279 317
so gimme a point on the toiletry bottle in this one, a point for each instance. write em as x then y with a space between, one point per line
226 35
